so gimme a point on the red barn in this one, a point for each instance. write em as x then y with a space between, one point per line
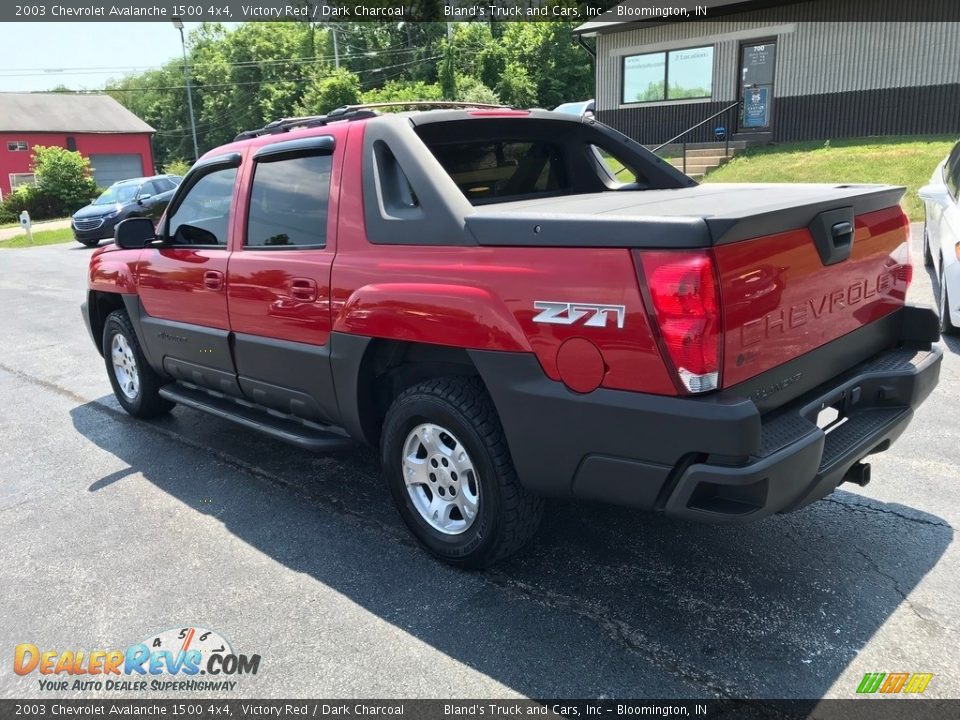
116 141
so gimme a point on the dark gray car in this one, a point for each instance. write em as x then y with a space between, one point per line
137 197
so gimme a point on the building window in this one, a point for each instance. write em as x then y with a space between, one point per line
18 179
673 75
17 145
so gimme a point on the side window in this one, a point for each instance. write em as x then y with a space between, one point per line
951 172
288 203
616 170
202 217
163 185
149 188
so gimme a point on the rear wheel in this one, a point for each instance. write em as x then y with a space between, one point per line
445 459
946 325
135 384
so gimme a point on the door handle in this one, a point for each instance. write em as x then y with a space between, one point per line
213 280
304 289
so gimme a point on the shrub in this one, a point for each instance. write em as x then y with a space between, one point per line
176 167
469 89
64 180
39 204
400 91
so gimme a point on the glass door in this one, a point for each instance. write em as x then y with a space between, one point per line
757 64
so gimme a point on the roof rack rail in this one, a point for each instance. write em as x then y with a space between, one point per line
356 112
287 124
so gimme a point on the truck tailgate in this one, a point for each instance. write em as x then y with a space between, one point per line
782 298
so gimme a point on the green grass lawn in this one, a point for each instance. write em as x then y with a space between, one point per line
891 160
42 237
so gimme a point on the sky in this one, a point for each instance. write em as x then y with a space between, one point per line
73 49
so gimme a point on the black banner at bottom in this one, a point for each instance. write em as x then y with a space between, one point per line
876 708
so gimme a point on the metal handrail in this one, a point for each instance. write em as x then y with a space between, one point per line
694 127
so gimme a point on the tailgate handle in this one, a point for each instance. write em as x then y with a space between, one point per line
842 234
832 232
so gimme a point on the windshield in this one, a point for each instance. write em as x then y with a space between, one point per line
117 194
574 108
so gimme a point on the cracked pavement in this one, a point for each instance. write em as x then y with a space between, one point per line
114 529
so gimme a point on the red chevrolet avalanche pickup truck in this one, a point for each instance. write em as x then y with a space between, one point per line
517 304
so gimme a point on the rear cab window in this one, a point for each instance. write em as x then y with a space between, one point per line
503 169
501 160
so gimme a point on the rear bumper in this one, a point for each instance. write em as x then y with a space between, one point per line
715 458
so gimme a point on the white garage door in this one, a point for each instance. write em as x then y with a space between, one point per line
108 169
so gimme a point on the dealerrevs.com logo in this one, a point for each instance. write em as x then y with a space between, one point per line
171 660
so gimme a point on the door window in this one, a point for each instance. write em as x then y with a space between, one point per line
288 203
202 216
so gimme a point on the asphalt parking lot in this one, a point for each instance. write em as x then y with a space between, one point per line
112 529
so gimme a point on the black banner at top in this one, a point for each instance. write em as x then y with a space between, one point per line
605 14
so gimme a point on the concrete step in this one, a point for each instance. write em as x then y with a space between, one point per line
709 152
698 166
677 148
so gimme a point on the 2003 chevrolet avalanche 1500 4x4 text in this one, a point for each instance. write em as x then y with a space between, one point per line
517 304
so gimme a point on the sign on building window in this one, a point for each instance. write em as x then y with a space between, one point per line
674 75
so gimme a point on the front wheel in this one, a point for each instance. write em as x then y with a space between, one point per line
135 384
446 461
927 255
946 324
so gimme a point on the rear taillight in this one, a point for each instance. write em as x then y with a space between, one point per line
685 296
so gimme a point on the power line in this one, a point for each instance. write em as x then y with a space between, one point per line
254 82
105 70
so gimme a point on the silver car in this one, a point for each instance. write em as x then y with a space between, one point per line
941 236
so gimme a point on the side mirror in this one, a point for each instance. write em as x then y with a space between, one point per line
145 196
134 233
935 192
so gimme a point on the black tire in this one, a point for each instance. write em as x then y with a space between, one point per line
89 243
507 517
147 402
946 325
927 255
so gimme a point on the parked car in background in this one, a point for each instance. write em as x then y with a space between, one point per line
941 236
584 108
138 197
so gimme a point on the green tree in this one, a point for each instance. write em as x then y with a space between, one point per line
64 176
397 91
470 89
516 88
447 72
328 91
559 68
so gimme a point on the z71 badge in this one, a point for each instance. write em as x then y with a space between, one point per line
569 313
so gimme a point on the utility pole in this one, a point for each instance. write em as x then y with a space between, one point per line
178 24
336 48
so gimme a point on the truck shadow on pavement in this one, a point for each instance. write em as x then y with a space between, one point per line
606 602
